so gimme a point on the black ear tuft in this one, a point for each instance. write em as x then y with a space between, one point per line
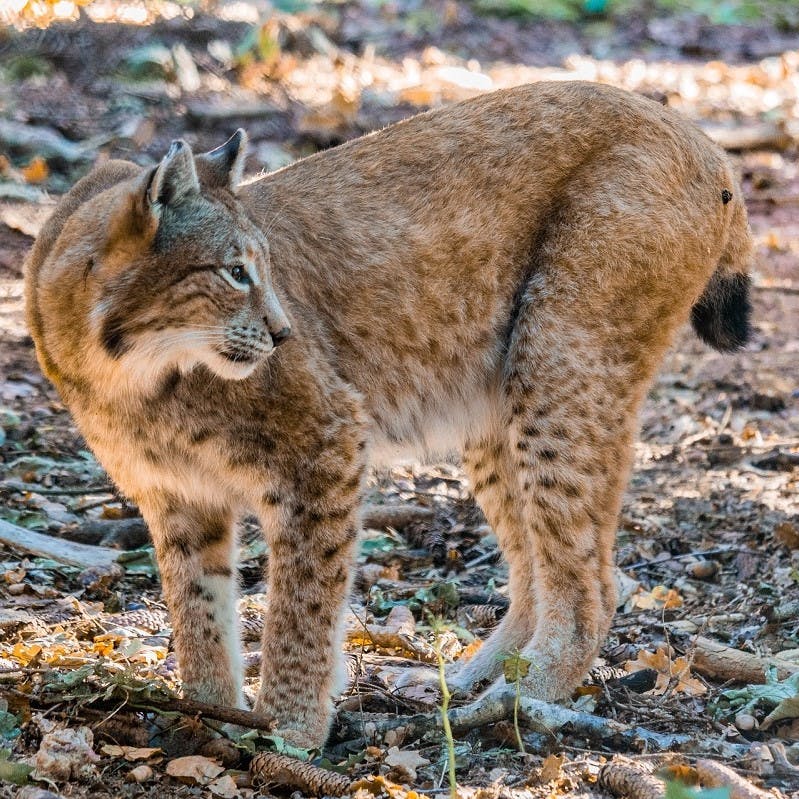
175 177
721 315
223 167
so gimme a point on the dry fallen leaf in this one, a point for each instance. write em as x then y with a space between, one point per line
131 752
406 761
787 534
225 787
658 598
550 768
681 772
66 754
36 171
471 649
194 769
669 669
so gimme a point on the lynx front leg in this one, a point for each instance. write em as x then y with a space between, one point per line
312 541
195 548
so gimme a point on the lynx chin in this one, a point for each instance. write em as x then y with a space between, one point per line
499 278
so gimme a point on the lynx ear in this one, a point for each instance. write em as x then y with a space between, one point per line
134 222
175 177
224 166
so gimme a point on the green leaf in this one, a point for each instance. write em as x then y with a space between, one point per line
679 790
139 561
787 709
515 667
377 542
283 747
772 693
9 725
16 773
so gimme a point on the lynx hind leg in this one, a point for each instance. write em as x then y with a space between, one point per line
491 470
195 549
573 417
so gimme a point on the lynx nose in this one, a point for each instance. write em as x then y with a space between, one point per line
281 335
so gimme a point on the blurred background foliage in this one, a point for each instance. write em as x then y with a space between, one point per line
783 14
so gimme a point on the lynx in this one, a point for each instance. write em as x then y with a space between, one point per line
499 277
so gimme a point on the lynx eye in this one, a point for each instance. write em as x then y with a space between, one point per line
237 276
240 275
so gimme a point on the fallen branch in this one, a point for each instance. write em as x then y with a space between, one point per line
45 546
398 632
496 707
712 659
270 768
193 708
630 778
168 704
716 775
125 533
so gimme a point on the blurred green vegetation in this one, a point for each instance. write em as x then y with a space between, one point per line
783 13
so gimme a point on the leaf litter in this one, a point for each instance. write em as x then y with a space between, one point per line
707 544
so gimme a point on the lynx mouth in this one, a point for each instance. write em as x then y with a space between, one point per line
238 356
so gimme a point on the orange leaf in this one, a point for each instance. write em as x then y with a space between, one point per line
36 171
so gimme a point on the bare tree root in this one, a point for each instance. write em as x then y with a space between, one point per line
269 768
631 779
716 775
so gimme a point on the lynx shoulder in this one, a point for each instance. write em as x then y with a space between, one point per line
499 277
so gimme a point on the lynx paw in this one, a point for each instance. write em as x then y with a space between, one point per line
423 685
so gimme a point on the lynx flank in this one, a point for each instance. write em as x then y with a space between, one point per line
500 277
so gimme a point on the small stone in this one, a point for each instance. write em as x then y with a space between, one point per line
745 722
139 774
703 569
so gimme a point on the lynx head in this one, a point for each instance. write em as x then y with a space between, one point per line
158 271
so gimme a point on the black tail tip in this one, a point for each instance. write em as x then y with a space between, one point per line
721 316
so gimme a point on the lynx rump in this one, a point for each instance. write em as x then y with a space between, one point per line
500 277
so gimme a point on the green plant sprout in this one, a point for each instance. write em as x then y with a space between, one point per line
515 667
438 626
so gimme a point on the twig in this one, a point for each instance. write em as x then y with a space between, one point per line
35 488
191 707
716 775
717 551
270 768
174 704
480 559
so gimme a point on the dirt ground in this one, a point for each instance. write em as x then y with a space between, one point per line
708 541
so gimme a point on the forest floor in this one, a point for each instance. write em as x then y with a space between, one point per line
708 540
